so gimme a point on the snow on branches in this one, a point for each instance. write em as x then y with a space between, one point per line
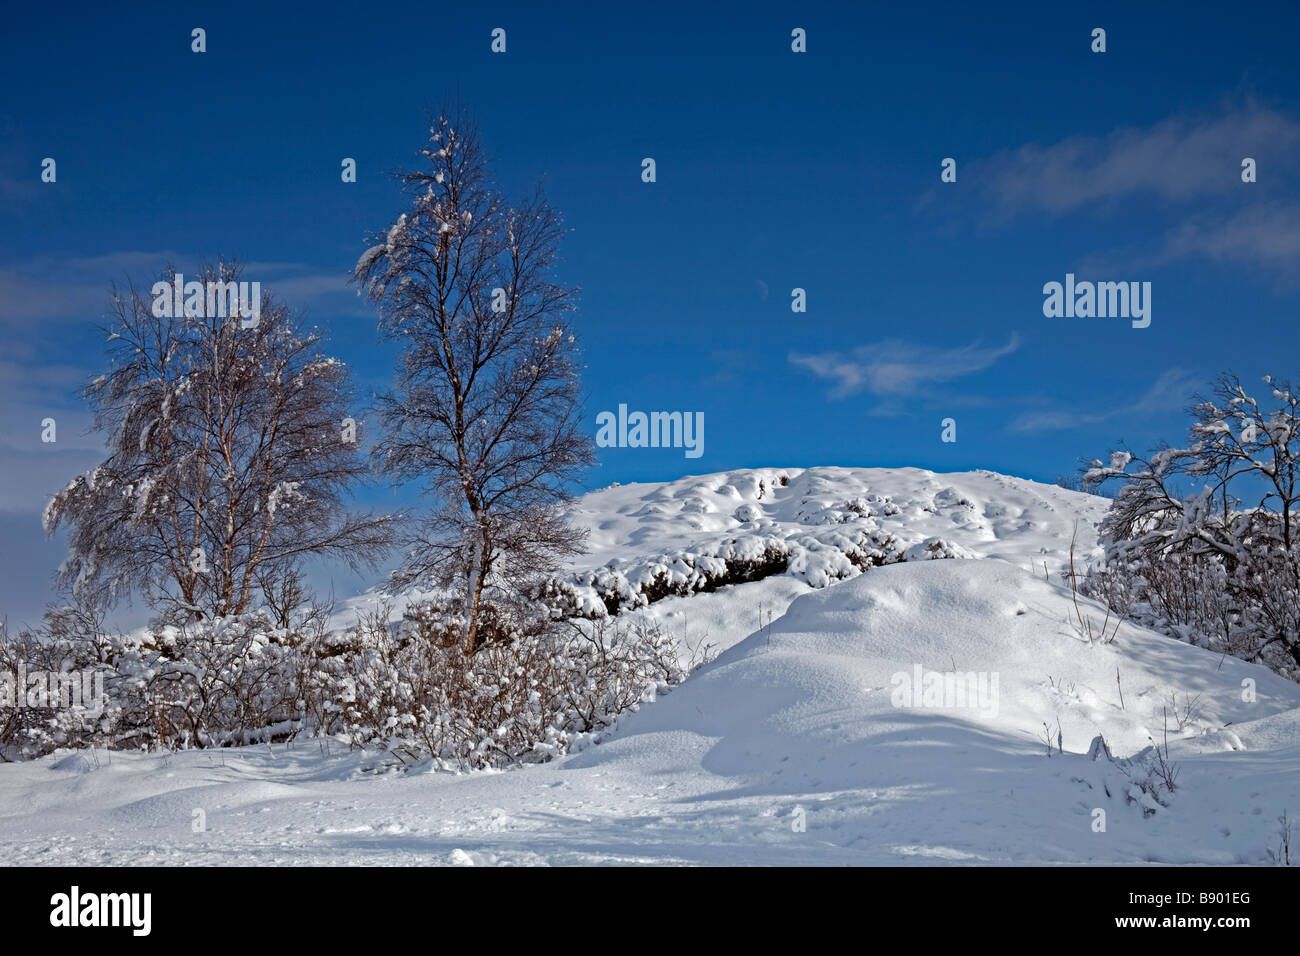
1203 540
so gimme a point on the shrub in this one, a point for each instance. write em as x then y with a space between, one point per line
1204 564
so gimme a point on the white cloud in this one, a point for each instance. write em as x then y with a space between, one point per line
1171 390
1178 159
54 289
1267 234
893 368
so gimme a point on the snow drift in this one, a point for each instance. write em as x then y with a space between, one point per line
806 740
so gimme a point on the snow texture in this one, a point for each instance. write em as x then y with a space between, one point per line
803 742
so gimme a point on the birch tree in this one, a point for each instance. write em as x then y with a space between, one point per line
226 461
485 411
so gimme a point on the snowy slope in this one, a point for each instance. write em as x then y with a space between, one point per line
1012 518
639 530
796 745
676 528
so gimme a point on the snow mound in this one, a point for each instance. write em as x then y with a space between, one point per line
871 705
911 709
1011 518
781 531
845 650
818 525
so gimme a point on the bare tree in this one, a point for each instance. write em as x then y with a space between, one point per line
227 460
485 411
1239 561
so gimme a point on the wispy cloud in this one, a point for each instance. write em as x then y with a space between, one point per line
1267 234
1178 159
298 283
1190 165
30 393
894 368
54 289
1170 391
68 288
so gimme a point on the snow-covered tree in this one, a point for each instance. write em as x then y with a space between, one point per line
1211 531
485 411
227 461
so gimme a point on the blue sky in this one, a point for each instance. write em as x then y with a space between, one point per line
775 170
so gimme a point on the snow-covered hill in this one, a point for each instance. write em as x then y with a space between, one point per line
1011 518
897 714
829 522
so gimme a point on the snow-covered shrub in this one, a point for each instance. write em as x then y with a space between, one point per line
1203 563
818 558
233 680
933 549
31 726
407 687
227 681
522 698
609 667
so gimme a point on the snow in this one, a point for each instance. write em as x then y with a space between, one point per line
684 528
284 493
995 514
368 258
802 743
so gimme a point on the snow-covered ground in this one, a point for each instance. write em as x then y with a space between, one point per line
803 742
